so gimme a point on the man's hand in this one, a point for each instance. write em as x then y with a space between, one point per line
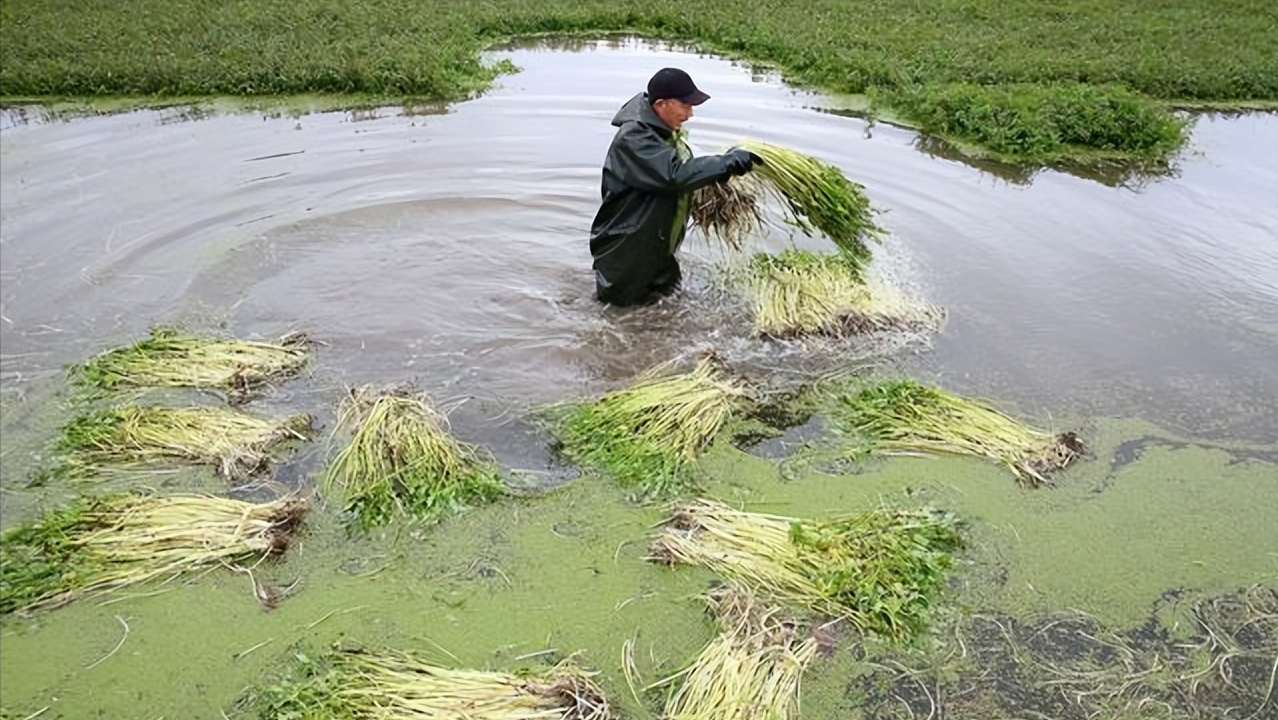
739 162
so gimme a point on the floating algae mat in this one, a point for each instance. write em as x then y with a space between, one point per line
751 670
99 545
402 459
648 436
358 683
904 416
878 569
817 195
800 293
135 437
172 358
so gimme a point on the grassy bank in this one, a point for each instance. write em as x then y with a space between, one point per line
1182 50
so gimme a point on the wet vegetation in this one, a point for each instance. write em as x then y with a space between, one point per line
401 460
99 545
1043 123
905 416
961 66
174 358
752 669
878 569
347 683
1070 666
798 293
648 435
136 437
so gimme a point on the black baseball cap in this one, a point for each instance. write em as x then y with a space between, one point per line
674 83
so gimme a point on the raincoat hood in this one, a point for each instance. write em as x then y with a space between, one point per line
638 109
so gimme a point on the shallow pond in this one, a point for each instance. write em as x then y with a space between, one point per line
447 245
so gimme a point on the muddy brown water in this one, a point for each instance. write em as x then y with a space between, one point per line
448 246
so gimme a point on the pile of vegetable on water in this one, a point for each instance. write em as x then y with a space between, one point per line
401 460
105 544
648 435
798 293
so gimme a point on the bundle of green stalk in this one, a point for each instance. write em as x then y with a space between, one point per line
172 358
751 670
363 684
402 459
878 569
133 437
902 415
648 436
99 545
820 199
800 293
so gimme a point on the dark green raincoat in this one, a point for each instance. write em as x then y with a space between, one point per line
647 181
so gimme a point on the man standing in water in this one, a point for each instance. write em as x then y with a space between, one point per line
648 179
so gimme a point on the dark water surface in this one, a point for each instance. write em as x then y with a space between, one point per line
448 246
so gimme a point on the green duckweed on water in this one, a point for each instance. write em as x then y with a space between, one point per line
401 460
568 572
920 58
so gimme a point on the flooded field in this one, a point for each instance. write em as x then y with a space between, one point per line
447 246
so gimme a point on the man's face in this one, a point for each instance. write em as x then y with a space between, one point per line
672 112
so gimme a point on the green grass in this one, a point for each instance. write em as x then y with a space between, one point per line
1043 123
1181 50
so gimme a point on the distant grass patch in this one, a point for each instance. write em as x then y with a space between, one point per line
1043 123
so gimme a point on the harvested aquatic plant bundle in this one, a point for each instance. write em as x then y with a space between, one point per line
401 458
820 198
648 435
902 415
177 359
728 211
356 683
751 670
878 568
800 293
132 437
98 545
